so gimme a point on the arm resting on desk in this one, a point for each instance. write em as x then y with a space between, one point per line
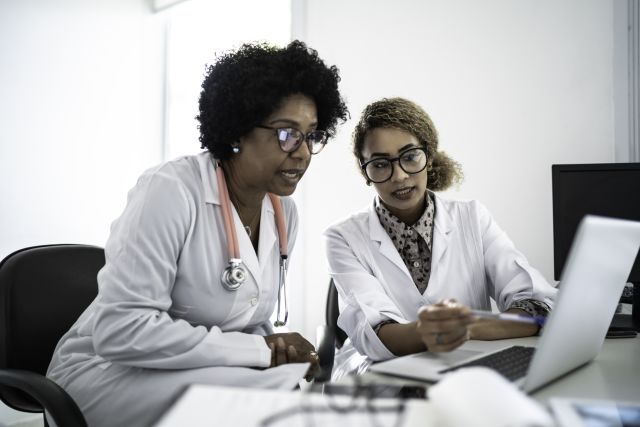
488 329
401 339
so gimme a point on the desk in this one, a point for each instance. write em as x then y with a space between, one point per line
613 374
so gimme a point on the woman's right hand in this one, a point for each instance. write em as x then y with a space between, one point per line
292 348
444 326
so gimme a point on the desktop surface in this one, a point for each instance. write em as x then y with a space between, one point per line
614 374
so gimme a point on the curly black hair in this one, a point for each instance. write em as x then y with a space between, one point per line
402 114
245 86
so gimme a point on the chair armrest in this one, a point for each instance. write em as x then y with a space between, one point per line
326 347
58 404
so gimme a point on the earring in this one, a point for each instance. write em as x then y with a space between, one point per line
235 148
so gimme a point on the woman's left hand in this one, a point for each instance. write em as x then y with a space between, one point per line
444 326
292 347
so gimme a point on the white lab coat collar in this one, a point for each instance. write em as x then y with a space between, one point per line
268 229
209 179
378 234
443 226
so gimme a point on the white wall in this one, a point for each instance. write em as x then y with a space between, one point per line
512 86
80 117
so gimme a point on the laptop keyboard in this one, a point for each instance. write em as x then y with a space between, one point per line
512 362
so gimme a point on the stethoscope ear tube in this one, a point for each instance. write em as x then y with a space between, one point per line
282 290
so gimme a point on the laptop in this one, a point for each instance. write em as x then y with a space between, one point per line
596 271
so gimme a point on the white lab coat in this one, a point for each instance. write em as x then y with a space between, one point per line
473 260
162 318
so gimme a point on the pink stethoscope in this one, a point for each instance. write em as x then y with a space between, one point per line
235 274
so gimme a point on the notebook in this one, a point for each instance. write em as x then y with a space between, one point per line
599 262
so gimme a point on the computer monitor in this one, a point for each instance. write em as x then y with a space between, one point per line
606 189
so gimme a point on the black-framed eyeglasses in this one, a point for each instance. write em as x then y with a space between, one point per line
362 401
378 170
291 138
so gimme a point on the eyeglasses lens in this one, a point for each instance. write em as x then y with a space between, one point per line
289 139
317 140
413 161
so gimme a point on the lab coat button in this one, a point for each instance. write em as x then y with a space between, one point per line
254 301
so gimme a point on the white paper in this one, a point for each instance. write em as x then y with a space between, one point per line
481 397
205 405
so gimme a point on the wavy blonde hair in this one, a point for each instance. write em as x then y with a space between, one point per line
405 115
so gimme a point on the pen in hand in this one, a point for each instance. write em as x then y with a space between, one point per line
536 320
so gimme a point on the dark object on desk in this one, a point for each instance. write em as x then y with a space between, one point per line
330 337
377 391
615 332
606 189
43 290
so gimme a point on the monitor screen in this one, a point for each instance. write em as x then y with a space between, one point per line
610 189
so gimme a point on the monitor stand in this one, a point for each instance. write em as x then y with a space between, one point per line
629 321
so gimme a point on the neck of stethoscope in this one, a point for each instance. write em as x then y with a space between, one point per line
235 273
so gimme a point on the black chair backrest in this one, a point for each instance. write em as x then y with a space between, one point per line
43 290
331 314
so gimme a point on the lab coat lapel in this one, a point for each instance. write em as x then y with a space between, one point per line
247 252
209 179
386 248
441 234
268 233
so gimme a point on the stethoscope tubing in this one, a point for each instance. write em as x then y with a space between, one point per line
235 262
230 230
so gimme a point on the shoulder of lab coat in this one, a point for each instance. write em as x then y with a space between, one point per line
510 277
364 297
132 325
374 284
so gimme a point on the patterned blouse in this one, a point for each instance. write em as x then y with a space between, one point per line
414 242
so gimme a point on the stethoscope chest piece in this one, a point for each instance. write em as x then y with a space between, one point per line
234 275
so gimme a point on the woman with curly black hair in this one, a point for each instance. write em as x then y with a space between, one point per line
409 267
195 265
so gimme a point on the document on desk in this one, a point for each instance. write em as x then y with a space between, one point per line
205 405
424 366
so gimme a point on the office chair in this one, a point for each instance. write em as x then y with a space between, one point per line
329 336
43 290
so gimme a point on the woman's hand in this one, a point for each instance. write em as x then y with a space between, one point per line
293 348
444 326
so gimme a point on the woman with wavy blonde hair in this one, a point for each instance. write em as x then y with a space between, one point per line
411 266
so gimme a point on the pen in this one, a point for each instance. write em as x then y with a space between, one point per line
536 320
